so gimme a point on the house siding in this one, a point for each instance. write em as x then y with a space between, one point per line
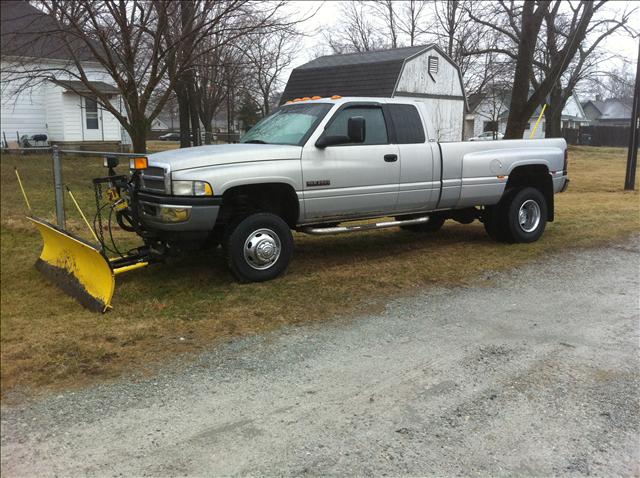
415 77
54 112
446 117
22 113
47 108
446 107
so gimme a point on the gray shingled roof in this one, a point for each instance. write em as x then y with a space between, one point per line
29 32
354 74
612 109
381 56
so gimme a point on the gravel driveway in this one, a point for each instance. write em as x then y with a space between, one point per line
533 372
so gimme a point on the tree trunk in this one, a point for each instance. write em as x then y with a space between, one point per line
194 106
553 114
183 112
229 115
518 114
208 132
138 133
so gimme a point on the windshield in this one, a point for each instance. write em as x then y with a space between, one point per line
291 124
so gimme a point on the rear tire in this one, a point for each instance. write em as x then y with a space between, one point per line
259 247
520 216
526 215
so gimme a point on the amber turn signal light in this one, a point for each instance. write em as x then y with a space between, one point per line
139 163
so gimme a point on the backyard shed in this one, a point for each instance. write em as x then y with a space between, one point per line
419 73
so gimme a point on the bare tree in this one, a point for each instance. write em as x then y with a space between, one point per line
267 56
460 37
559 31
410 18
385 10
619 82
210 85
520 27
357 32
142 46
494 104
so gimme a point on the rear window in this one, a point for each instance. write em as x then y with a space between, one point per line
406 121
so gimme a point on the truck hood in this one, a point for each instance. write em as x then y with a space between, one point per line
219 154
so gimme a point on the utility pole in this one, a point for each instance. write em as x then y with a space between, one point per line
634 134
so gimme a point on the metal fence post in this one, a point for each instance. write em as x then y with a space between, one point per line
57 181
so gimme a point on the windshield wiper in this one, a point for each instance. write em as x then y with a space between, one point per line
256 141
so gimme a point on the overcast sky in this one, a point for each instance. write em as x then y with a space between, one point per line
329 13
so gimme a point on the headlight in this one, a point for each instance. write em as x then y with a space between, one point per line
192 188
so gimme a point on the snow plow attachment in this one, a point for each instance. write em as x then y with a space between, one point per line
80 268
76 266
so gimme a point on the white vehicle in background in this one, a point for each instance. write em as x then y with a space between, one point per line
487 136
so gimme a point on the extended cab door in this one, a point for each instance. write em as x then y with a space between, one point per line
420 175
351 180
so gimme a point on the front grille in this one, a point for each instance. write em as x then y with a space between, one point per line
153 179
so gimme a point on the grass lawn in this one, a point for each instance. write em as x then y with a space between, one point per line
49 341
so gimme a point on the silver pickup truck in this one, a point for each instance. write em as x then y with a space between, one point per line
315 164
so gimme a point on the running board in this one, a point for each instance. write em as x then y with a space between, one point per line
321 231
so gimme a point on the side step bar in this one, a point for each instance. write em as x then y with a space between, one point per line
321 231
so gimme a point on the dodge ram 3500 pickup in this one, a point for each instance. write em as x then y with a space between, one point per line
315 164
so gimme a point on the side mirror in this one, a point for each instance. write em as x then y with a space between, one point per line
356 129
324 141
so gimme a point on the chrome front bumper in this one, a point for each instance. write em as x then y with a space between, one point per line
173 213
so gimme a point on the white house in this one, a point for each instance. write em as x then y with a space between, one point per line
60 106
419 73
490 111
610 112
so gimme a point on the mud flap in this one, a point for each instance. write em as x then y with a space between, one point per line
76 266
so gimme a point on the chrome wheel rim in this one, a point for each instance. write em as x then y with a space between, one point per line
262 249
529 215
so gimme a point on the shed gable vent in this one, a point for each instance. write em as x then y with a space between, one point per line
433 65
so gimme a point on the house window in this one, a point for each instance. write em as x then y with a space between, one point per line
490 126
91 113
433 65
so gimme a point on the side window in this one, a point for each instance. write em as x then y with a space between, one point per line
376 128
408 126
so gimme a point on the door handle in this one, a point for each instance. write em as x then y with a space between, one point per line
390 158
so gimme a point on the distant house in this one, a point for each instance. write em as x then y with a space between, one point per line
169 121
611 112
484 112
420 73
489 112
158 125
63 108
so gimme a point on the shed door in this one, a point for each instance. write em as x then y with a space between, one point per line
91 119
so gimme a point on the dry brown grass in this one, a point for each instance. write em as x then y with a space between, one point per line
49 341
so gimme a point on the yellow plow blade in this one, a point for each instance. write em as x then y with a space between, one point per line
76 266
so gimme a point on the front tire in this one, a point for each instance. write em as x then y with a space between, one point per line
259 247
